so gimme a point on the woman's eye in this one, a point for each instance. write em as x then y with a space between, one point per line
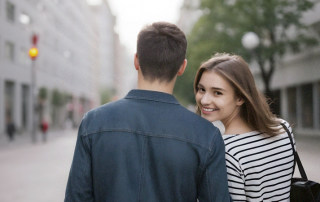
201 90
217 93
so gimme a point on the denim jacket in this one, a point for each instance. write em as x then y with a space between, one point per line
147 147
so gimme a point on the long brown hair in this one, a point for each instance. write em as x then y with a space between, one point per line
255 110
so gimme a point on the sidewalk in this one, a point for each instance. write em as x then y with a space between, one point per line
309 153
26 138
36 172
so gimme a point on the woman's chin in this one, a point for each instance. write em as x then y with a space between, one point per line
211 119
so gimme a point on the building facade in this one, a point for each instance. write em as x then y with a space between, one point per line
296 81
189 15
75 56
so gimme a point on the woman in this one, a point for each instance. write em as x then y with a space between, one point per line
259 157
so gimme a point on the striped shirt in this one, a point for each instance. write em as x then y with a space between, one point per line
259 166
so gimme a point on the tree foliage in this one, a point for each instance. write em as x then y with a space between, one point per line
224 22
43 93
58 98
106 95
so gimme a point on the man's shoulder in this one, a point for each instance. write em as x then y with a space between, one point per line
97 115
205 133
198 121
106 107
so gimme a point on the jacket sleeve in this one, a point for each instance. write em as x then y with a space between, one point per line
79 186
213 185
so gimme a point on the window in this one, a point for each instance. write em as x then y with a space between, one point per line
23 57
10 10
307 106
292 105
9 100
9 51
276 102
319 104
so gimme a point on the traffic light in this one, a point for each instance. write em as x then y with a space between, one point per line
33 52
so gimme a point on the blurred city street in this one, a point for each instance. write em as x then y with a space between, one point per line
38 172
309 153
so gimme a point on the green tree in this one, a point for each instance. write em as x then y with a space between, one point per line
106 95
43 93
58 100
42 97
224 22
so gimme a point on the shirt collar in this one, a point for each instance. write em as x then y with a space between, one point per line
152 96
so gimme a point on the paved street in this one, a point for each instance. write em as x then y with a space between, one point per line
36 173
309 153
39 172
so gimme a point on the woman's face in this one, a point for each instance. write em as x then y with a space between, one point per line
216 98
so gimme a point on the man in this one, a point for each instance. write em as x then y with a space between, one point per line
147 147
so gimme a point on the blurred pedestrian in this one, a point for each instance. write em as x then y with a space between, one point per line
44 126
146 146
10 128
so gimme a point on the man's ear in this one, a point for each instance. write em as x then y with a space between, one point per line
240 101
136 62
182 68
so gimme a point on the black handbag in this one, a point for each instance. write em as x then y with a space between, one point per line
302 189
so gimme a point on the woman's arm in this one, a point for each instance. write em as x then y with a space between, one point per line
235 179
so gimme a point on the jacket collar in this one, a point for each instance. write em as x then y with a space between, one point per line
152 96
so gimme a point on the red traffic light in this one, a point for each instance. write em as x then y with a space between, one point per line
34 39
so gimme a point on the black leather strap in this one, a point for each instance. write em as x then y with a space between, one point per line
296 156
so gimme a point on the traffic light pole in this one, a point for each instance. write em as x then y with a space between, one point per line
33 102
33 53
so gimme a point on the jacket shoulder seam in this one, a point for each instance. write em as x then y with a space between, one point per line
143 133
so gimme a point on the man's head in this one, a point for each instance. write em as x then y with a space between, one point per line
161 50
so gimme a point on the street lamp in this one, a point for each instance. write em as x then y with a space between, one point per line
250 40
33 53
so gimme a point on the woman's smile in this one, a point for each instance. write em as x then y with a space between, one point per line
206 110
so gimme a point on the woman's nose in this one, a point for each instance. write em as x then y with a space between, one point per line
205 99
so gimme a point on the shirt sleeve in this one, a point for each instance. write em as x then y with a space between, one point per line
213 184
235 179
79 186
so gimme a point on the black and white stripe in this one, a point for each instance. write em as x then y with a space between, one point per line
259 166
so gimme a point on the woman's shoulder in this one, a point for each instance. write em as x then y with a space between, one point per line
240 140
285 124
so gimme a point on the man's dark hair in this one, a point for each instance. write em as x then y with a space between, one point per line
161 50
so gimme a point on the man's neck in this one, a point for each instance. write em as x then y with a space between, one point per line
156 86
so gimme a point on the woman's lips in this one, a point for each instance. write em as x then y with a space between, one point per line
206 110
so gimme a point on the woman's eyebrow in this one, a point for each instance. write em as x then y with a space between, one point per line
215 88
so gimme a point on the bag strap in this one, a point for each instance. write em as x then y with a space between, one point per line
296 156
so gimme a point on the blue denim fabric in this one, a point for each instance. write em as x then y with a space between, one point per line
147 147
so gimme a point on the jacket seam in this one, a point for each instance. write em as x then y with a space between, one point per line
156 100
209 193
84 138
146 134
213 140
207 177
142 168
